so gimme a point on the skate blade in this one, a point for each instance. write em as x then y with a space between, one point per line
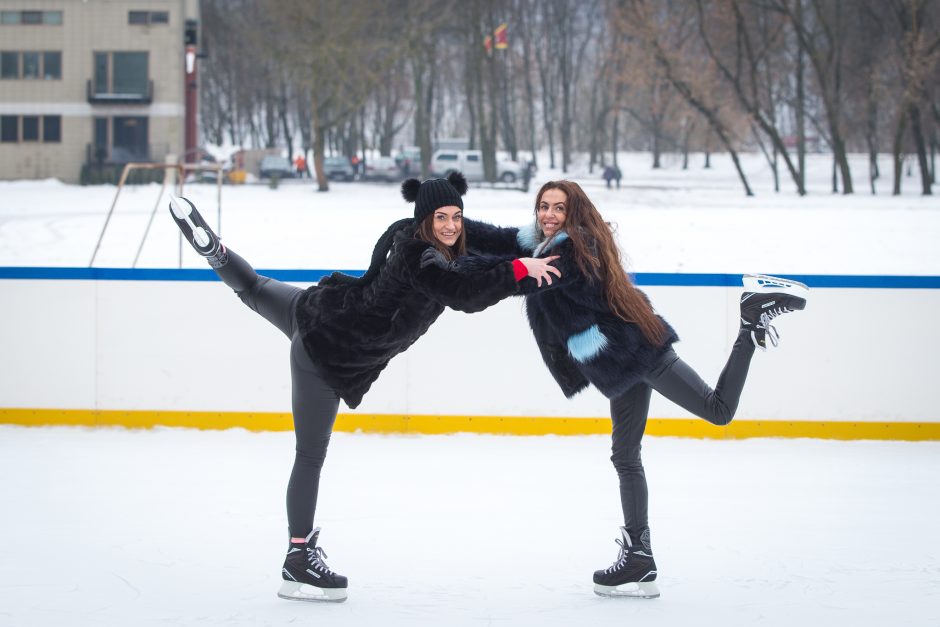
200 237
180 208
296 591
766 283
636 590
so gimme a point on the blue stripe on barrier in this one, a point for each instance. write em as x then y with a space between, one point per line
312 276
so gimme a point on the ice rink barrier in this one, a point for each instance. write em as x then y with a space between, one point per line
155 347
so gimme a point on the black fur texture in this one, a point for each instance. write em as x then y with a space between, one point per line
570 306
352 331
459 182
409 190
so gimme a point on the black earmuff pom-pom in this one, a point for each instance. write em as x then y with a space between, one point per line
409 189
458 181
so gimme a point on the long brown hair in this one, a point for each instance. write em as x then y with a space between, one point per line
598 256
425 232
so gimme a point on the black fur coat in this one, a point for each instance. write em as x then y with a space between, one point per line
352 331
581 340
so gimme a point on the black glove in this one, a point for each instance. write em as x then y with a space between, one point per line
434 257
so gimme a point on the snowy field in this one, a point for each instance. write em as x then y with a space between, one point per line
668 221
110 527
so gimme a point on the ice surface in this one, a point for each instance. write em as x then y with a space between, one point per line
112 527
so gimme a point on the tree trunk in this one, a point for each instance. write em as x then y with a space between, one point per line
897 152
913 112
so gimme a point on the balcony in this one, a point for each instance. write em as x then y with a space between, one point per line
142 95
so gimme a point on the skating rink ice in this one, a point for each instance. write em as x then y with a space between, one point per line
114 527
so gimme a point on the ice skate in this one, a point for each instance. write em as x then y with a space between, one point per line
307 577
633 574
765 298
196 230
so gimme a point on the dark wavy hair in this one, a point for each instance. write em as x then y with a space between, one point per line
598 257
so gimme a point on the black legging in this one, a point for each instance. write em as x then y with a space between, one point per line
675 380
314 404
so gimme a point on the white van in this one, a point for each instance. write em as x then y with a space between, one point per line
470 162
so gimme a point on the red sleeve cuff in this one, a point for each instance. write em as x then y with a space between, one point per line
519 269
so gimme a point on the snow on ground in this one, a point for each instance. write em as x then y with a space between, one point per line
112 527
668 220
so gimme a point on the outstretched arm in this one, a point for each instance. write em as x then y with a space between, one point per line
486 239
467 287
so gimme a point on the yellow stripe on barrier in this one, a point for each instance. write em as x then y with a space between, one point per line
498 425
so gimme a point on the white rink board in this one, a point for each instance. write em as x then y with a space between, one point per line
193 346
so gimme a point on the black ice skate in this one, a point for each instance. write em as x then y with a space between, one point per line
307 577
765 298
633 574
197 232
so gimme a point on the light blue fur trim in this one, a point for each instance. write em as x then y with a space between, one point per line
548 244
587 344
526 237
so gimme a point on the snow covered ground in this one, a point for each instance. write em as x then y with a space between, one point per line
668 220
111 527
173 527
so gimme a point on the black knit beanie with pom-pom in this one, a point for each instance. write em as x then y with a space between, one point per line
428 197
433 194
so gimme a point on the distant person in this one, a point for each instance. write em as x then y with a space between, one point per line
345 330
612 173
300 165
355 161
593 326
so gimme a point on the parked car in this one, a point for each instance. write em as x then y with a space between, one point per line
470 162
382 169
409 161
338 168
272 165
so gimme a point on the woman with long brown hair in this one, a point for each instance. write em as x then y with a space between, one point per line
593 326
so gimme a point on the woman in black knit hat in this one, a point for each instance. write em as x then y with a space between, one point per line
346 329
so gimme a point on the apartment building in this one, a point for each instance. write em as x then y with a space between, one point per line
93 84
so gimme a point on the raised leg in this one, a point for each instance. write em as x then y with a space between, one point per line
678 382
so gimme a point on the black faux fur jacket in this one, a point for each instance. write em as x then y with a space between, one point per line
581 340
352 331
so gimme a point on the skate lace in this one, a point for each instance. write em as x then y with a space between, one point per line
764 321
315 556
621 559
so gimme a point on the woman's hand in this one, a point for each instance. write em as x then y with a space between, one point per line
540 269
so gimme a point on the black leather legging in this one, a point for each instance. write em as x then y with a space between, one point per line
675 380
313 403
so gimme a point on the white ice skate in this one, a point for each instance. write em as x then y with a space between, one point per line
765 298
765 283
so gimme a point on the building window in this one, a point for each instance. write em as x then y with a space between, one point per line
31 65
46 65
124 73
30 125
51 65
9 129
51 128
30 128
51 18
9 65
148 17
